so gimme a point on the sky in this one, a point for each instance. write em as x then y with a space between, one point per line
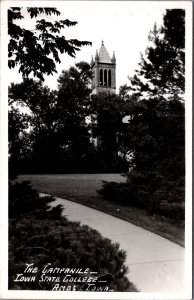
122 25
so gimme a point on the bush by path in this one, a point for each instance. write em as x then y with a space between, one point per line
155 192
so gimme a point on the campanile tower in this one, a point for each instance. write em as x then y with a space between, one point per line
104 72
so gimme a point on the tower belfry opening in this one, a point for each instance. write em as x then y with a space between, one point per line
104 72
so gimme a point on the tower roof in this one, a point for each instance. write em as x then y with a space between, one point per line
104 57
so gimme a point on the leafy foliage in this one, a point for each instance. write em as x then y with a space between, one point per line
37 51
24 200
19 140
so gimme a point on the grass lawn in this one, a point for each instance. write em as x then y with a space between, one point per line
82 188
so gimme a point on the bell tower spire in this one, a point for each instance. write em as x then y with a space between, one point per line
113 59
104 72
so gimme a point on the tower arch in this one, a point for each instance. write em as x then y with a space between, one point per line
109 77
105 77
101 77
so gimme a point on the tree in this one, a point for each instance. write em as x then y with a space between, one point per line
74 90
162 68
37 51
19 141
35 116
74 101
158 153
57 128
159 117
156 91
38 101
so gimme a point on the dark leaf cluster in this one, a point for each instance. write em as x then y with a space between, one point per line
37 51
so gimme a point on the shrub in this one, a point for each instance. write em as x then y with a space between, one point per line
23 199
119 192
153 191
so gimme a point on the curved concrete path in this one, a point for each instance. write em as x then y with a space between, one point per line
156 264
